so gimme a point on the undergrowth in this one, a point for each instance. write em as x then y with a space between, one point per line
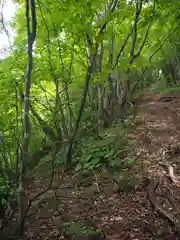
109 150
163 88
78 230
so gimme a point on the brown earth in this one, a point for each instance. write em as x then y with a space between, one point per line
119 215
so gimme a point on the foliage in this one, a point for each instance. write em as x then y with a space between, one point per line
80 230
6 192
4 187
108 150
161 87
91 61
125 182
85 77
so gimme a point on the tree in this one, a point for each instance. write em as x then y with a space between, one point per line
84 76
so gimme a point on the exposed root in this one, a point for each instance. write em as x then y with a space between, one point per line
163 212
172 176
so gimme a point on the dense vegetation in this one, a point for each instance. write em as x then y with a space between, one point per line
72 79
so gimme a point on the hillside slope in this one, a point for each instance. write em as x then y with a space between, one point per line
155 138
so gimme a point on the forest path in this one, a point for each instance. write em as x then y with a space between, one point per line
125 215
157 128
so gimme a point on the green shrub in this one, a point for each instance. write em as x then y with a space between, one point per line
78 230
6 192
108 151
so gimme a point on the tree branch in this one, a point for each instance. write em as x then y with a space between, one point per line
141 47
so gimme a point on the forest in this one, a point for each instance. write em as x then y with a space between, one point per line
90 120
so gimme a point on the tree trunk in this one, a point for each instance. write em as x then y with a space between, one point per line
30 6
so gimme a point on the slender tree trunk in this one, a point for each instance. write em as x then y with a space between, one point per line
30 14
88 78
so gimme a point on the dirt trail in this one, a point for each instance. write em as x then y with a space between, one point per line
121 216
160 127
